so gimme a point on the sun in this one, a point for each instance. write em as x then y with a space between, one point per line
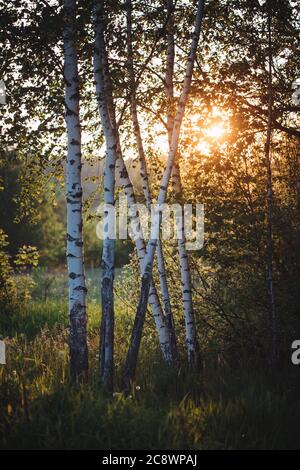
211 135
202 134
215 132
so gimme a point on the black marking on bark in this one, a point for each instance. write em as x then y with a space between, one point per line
124 173
70 238
74 275
81 288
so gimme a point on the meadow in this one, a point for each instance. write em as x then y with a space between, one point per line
226 405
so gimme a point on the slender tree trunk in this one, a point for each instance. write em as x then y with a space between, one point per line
126 184
190 326
270 203
169 89
162 330
108 252
131 359
169 75
75 259
169 318
146 186
186 282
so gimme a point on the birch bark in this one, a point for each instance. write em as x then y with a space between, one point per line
190 327
75 258
108 251
186 283
169 320
126 184
132 354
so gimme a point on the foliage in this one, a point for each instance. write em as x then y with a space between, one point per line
15 284
42 225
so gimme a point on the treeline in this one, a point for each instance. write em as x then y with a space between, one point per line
42 224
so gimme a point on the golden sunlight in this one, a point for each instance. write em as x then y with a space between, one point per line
215 132
203 134
203 147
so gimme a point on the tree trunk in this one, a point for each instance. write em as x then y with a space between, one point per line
132 356
169 320
190 327
162 330
108 252
269 267
131 360
186 283
75 260
133 213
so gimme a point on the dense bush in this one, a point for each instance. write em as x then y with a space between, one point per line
15 283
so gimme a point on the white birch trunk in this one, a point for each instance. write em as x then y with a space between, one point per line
176 131
75 260
131 360
190 327
163 334
186 283
108 251
145 185
134 215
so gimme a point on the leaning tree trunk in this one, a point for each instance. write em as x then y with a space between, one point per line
269 267
146 186
75 261
126 184
190 326
108 251
132 354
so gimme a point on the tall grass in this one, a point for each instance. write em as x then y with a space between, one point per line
225 406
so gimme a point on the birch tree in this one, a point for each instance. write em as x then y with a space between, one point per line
108 252
75 260
132 355
101 63
169 319
190 327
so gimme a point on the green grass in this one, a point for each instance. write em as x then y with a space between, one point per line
54 284
227 406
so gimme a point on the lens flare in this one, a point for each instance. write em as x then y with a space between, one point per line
215 132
